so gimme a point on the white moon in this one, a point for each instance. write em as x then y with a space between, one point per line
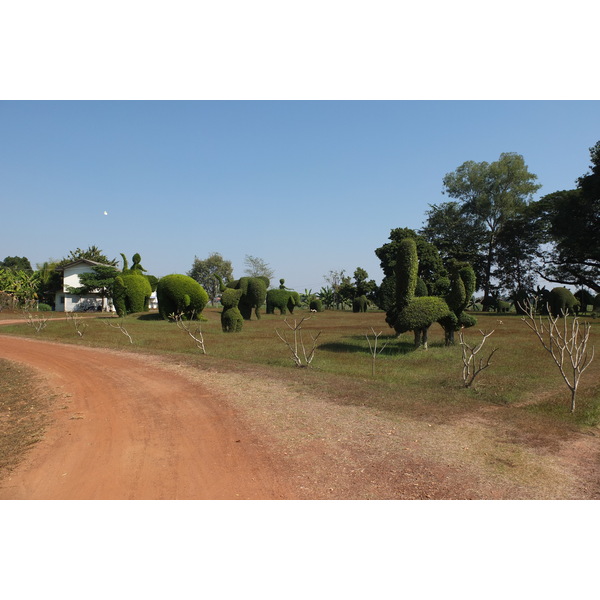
105 213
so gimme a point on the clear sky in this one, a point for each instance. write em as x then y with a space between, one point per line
308 186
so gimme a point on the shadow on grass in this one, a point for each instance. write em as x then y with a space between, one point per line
149 317
393 347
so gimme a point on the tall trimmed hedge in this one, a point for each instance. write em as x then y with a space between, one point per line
180 294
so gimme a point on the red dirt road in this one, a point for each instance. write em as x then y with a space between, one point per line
123 428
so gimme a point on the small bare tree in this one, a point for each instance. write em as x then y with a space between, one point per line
566 343
79 323
37 322
195 333
373 348
472 367
121 327
300 356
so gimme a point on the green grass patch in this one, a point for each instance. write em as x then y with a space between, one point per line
522 376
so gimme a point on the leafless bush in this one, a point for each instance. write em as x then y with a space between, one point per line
566 343
373 348
37 322
195 333
78 323
300 356
472 367
120 326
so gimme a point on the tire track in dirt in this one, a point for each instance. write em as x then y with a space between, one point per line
124 429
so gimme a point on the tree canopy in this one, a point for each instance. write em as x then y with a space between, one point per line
492 193
16 263
204 271
570 220
257 267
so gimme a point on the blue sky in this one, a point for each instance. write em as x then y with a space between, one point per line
308 186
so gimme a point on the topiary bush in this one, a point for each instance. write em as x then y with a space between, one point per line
560 300
317 305
283 300
44 307
231 317
180 294
254 294
360 304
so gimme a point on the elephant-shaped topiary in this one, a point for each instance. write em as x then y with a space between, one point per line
283 300
131 289
231 317
180 295
131 292
254 293
561 301
360 304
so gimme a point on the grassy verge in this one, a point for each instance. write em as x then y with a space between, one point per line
522 376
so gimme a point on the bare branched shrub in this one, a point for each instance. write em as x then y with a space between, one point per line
195 333
37 322
566 343
120 326
471 366
300 356
373 348
79 323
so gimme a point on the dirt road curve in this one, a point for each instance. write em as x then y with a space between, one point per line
125 429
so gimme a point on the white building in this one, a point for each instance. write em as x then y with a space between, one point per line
64 301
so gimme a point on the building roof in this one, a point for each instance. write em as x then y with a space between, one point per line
91 263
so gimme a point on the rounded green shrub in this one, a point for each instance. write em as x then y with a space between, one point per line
316 304
43 307
421 288
421 313
180 294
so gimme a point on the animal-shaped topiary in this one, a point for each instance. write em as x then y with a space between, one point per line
131 292
131 289
231 317
254 293
462 286
360 304
561 301
316 305
283 300
585 299
180 294
412 313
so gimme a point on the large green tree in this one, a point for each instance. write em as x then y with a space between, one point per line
91 253
456 234
571 221
492 193
257 267
204 271
16 263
